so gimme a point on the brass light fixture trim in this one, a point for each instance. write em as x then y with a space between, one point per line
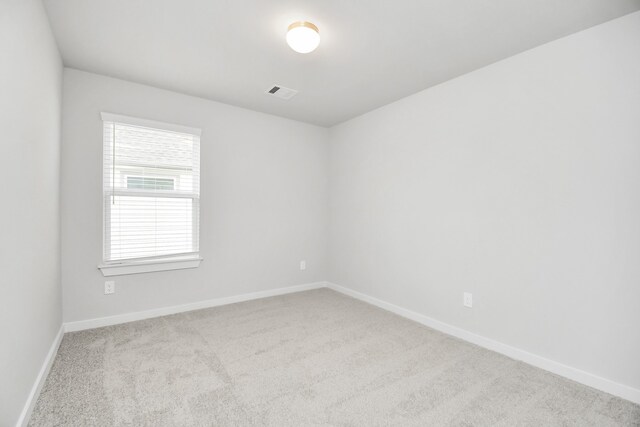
303 24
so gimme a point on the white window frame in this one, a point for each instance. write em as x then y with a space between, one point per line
153 264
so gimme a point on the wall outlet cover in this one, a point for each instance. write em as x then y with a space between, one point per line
303 265
468 300
109 287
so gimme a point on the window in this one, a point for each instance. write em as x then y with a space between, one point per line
151 193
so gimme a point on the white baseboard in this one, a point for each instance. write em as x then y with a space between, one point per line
574 374
164 311
23 420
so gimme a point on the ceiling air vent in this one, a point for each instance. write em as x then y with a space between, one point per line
281 92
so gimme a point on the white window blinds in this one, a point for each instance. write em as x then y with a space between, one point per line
151 176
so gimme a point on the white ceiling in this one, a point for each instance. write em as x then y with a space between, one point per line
372 51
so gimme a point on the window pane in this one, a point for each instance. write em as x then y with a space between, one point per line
150 226
149 183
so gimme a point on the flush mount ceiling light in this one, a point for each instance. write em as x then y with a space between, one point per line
303 36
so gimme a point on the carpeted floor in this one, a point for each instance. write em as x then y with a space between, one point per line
311 358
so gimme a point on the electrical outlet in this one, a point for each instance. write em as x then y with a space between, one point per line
468 300
109 287
303 265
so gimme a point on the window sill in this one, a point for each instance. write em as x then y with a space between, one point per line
148 266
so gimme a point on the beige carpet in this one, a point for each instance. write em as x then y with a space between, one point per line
311 358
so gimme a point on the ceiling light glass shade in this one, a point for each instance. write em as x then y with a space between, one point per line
303 37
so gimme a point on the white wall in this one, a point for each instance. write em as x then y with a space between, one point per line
263 199
30 95
519 183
